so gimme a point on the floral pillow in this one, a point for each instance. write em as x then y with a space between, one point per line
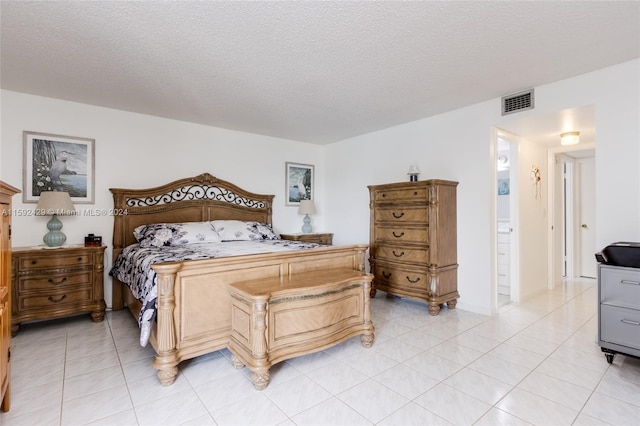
238 230
175 234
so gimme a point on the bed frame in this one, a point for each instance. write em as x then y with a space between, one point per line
194 304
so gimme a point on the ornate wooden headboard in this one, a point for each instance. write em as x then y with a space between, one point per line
196 199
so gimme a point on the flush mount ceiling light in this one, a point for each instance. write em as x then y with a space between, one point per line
569 138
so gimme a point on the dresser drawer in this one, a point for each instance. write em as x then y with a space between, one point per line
402 215
620 286
400 234
399 195
59 299
399 276
401 254
620 326
47 262
54 282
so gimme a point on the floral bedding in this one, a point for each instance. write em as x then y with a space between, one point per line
133 267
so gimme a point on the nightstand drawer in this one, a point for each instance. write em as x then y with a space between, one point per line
84 295
54 282
46 262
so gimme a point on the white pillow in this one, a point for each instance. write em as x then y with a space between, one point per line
175 234
239 230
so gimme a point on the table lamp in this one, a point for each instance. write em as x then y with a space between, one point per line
54 203
306 208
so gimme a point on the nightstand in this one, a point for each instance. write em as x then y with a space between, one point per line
320 238
57 282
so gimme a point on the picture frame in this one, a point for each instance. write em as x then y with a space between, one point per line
58 163
299 183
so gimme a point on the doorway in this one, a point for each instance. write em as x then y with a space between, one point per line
507 217
574 244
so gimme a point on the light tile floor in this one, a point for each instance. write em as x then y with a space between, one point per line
534 363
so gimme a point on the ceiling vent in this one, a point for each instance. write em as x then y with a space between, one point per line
517 102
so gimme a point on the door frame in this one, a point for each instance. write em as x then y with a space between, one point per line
514 265
553 228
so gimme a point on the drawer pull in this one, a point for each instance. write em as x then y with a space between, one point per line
398 236
51 299
79 259
412 281
33 262
398 255
387 276
630 322
397 216
630 282
59 282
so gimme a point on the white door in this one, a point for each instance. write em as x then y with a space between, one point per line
586 212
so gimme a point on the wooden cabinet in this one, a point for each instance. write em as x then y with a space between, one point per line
319 238
413 241
618 310
6 192
53 283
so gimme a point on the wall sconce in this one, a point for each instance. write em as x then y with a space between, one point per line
569 138
413 173
54 203
306 208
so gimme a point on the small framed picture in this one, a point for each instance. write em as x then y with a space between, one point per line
58 163
299 183
503 186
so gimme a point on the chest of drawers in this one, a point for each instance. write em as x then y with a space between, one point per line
53 283
618 310
413 241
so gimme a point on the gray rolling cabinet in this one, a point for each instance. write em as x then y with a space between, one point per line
619 300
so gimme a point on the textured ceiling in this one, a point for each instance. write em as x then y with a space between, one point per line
309 71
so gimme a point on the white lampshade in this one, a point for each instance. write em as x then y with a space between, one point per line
570 138
307 207
55 202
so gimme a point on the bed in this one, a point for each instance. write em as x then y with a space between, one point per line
193 315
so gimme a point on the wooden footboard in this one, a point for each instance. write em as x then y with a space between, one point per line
194 303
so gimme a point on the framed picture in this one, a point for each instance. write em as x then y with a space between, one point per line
299 185
503 186
58 163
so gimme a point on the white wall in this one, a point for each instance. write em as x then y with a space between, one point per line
456 146
138 151
532 220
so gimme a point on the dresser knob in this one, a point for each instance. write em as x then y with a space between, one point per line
412 281
33 262
59 282
397 216
79 259
396 235
51 299
398 255
387 276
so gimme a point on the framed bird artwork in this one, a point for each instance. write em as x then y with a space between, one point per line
58 163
